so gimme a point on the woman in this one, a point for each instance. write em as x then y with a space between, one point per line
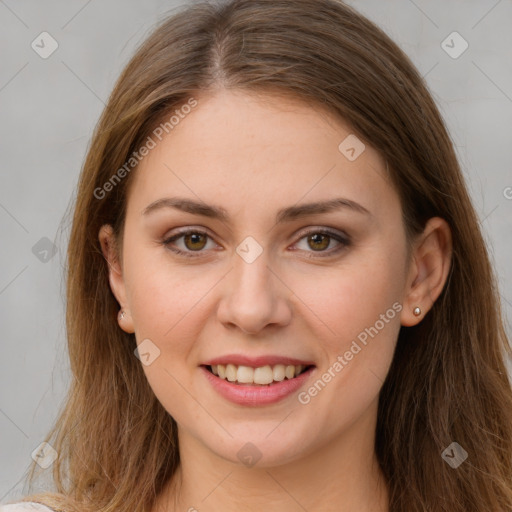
279 296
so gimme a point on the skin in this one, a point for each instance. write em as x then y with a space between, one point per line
274 152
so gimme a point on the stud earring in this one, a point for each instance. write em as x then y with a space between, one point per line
121 314
417 311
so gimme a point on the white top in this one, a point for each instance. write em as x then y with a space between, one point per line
26 506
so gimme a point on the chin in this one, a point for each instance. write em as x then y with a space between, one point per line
254 446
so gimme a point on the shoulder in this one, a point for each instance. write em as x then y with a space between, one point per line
25 506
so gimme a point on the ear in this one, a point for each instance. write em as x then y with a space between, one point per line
115 274
429 269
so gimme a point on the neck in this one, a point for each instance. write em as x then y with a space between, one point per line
342 474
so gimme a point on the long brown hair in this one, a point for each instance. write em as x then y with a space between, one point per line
117 445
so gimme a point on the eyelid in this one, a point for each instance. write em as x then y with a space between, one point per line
334 233
342 238
182 232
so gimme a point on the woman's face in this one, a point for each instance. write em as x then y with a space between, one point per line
266 278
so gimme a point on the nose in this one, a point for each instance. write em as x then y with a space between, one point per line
254 297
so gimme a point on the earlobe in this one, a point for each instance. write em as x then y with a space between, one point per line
115 275
429 270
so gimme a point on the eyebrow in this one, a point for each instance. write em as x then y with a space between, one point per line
284 215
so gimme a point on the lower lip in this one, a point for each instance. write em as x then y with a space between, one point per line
257 394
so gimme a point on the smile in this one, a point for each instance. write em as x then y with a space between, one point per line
262 375
257 385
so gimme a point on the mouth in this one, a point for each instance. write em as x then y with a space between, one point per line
267 375
258 385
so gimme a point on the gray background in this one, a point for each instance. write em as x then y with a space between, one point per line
48 108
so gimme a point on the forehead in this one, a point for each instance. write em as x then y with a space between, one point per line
265 151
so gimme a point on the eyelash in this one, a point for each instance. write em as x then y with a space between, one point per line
343 240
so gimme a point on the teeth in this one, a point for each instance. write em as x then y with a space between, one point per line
231 372
245 374
278 372
261 375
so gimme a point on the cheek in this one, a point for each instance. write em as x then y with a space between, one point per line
168 308
351 298
356 309
361 304
165 298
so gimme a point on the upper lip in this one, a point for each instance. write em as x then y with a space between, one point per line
256 362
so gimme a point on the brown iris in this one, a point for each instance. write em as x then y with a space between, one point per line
319 238
195 241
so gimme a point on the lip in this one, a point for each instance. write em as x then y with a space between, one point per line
256 362
256 395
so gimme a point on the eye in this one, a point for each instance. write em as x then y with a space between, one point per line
320 239
195 240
